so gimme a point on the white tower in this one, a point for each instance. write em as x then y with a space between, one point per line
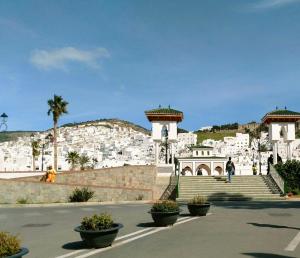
164 130
281 125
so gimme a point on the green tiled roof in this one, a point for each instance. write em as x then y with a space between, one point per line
164 111
202 158
201 146
284 112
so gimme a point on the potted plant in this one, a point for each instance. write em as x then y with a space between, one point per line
164 213
198 206
10 246
98 230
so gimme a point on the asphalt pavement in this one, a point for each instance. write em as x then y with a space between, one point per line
232 229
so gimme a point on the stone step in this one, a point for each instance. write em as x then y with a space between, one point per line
236 198
224 190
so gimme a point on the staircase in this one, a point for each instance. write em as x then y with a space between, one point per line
241 188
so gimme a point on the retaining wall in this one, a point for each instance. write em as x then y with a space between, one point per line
126 183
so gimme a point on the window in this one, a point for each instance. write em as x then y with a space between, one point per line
196 153
202 153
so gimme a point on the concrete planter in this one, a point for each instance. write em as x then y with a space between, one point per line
99 238
163 219
198 209
21 253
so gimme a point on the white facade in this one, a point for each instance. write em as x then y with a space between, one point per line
157 127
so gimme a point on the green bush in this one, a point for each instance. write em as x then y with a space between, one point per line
290 172
165 206
9 244
97 222
22 201
198 199
81 195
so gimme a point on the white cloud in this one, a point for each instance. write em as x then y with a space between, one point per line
60 58
269 4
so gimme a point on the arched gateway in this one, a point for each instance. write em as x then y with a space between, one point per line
203 162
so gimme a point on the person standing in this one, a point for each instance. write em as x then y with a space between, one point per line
254 169
230 168
270 162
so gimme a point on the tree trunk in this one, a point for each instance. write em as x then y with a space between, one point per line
55 145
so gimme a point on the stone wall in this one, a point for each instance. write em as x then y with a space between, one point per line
126 183
38 192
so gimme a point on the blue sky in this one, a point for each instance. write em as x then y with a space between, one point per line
218 61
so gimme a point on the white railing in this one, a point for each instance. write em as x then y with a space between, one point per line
277 178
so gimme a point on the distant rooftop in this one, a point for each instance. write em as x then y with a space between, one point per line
281 115
164 114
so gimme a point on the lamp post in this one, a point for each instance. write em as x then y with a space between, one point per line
3 123
253 156
165 135
259 156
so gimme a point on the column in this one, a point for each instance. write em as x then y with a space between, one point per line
212 168
172 153
289 150
156 152
193 168
275 146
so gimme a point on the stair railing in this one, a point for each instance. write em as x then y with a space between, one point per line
277 178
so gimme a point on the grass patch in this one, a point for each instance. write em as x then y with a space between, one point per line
201 136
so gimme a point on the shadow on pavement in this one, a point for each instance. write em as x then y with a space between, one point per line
74 245
184 215
146 225
270 226
224 196
257 205
267 255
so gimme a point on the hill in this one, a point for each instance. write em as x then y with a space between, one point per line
13 135
119 122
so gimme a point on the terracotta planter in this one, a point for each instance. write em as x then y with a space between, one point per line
99 238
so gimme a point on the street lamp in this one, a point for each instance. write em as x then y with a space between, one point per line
259 156
253 156
3 123
165 135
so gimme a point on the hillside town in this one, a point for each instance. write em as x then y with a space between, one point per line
113 144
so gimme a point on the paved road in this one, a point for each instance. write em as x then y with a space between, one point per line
245 229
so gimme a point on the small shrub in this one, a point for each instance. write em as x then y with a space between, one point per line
290 172
22 201
198 199
97 222
9 244
165 206
140 197
81 195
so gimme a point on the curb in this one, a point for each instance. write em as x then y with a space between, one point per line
71 204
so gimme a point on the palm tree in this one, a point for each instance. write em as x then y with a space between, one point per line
57 107
83 161
73 159
35 145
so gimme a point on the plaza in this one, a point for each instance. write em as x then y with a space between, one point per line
231 230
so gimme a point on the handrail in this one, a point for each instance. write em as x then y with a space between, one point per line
277 178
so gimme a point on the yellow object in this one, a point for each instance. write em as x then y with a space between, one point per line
51 174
